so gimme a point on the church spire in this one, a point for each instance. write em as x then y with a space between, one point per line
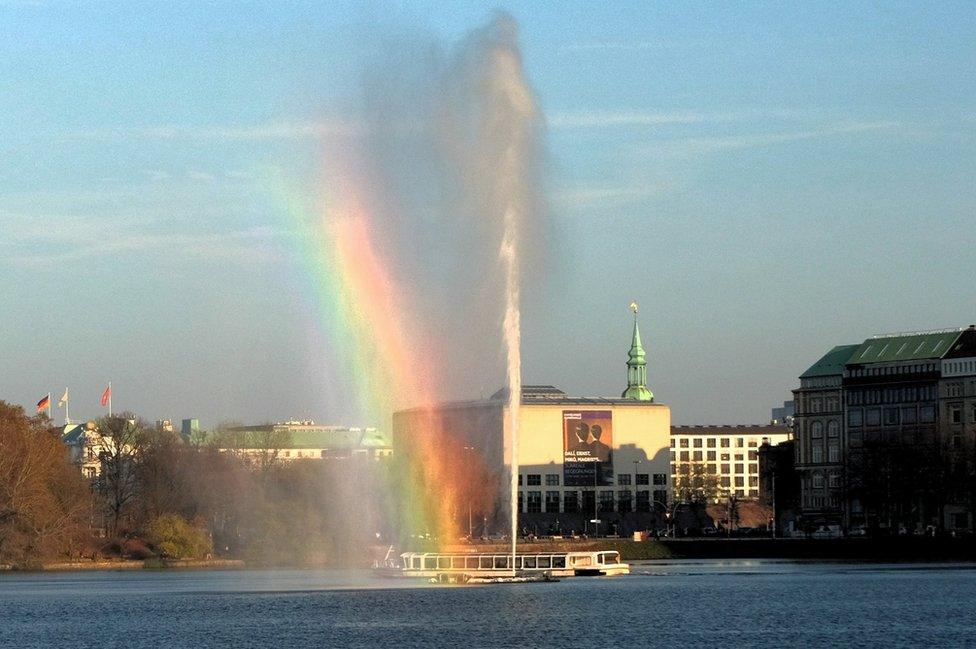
637 367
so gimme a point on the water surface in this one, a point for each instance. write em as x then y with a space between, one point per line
713 603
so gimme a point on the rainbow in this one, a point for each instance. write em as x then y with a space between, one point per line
366 316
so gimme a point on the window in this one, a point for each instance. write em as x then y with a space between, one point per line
552 479
725 468
552 501
673 457
711 442
872 417
818 481
660 479
644 500
833 452
697 456
623 479
726 457
891 416
926 414
726 481
606 501
739 481
642 478
753 481
683 442
661 496
571 501
684 456
535 502
533 479
753 456
520 508
833 480
833 428
739 468
740 442
725 442
817 454
816 430
520 479
623 501
908 415
955 414
855 417
710 456
754 468
697 442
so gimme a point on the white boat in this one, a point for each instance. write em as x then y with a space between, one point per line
463 568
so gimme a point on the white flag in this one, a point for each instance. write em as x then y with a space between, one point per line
64 398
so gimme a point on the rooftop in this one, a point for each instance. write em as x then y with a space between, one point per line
832 363
905 347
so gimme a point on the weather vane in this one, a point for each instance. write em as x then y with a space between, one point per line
633 306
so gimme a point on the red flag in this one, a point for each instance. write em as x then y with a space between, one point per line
106 395
43 404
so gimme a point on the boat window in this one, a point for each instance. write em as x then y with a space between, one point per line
471 562
501 563
559 562
582 560
528 562
484 562
457 562
430 563
545 562
443 562
415 563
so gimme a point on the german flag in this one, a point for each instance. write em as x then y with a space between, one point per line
44 404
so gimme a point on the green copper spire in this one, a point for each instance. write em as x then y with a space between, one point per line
637 367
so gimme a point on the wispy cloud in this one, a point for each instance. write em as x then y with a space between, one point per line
703 145
585 196
38 242
225 132
603 119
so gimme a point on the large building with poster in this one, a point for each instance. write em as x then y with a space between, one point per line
579 458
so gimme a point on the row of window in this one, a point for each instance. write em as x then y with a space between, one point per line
741 467
894 370
875 396
857 417
967 365
711 456
821 404
583 502
714 442
552 479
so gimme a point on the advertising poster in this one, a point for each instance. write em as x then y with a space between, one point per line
587 448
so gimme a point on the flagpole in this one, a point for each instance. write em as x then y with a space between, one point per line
66 419
109 398
50 408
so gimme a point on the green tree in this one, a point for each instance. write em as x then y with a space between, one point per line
175 538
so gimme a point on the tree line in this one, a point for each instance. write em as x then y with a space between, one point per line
161 495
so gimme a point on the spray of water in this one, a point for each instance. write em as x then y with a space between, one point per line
446 169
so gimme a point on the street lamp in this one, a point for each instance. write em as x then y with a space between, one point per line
470 523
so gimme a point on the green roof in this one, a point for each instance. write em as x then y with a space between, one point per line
832 363
904 347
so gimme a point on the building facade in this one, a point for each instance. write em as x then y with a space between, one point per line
728 452
580 459
300 440
885 433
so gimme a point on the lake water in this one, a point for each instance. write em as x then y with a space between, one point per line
676 604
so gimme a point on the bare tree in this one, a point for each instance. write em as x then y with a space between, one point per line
122 437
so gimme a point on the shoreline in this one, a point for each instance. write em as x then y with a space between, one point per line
130 564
